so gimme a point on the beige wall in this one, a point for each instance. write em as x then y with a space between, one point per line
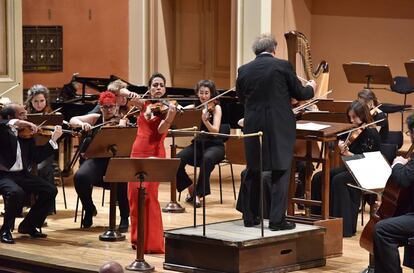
375 31
3 38
95 37
13 42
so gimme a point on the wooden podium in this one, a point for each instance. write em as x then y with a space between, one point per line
141 169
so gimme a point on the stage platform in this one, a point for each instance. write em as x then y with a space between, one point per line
230 247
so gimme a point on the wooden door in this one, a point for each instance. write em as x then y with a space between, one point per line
202 42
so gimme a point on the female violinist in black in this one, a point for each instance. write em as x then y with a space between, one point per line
214 147
368 97
92 170
344 200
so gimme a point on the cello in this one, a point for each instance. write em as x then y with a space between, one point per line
395 200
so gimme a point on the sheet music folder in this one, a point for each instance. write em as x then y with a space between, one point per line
370 170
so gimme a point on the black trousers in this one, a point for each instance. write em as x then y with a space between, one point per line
277 186
212 155
45 170
14 186
344 200
389 234
91 174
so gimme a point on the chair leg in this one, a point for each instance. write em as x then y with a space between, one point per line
76 209
179 196
232 180
221 192
62 181
103 197
362 209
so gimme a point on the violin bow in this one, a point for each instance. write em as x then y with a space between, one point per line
214 98
10 89
361 127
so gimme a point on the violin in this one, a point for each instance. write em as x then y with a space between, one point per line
27 133
161 107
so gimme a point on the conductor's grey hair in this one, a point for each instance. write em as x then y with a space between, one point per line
264 43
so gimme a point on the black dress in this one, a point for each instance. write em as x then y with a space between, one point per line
344 200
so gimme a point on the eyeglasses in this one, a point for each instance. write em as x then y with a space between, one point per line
108 107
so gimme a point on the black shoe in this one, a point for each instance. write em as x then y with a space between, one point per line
33 232
123 225
284 225
87 219
6 237
251 223
189 198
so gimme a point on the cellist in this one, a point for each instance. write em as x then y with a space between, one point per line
393 232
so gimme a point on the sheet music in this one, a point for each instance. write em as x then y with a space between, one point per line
371 172
311 126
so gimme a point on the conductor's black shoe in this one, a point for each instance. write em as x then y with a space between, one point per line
284 225
87 219
251 223
33 232
123 225
6 237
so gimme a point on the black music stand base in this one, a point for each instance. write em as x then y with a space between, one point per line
173 207
369 269
140 265
111 236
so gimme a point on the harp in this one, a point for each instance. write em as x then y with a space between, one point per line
299 55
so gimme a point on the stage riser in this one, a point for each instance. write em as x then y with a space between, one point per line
333 235
277 256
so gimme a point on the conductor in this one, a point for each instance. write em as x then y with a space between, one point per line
265 86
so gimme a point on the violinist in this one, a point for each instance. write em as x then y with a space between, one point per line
92 170
16 180
119 89
153 126
344 200
368 97
213 147
394 232
38 102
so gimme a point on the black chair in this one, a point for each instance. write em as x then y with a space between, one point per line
403 86
396 138
389 151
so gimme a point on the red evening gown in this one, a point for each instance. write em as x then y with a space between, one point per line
148 143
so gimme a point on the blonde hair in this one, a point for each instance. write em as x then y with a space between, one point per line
117 85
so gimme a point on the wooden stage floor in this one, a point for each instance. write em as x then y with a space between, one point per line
71 246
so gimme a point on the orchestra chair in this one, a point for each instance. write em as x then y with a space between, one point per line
396 138
401 86
224 129
389 151
77 203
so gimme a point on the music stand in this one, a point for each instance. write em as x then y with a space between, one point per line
186 119
112 142
141 169
368 74
51 120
